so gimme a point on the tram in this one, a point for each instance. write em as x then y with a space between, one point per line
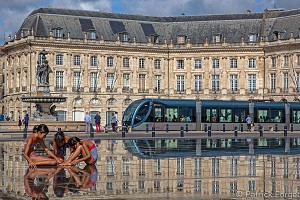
197 115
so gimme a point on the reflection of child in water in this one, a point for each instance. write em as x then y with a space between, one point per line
38 191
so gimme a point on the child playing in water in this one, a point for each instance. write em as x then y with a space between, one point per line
81 150
37 137
60 144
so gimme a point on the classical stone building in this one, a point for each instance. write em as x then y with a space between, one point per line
104 61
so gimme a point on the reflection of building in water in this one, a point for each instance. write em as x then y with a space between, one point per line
123 173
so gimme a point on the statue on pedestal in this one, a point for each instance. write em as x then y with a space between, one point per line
43 70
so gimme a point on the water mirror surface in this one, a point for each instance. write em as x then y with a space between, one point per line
166 169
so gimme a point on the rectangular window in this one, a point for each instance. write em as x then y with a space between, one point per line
252 167
142 167
126 166
233 164
198 83
142 82
110 80
180 166
110 61
124 37
197 170
157 83
225 115
59 76
94 80
253 38
59 59
180 83
215 166
157 64
77 60
141 63
215 187
215 63
273 62
233 83
286 61
233 63
197 185
298 81
172 114
252 63
285 82
215 83
157 167
197 64
126 62
126 81
233 187
180 64
273 167
76 80
57 33
298 59
217 38
272 82
110 167
251 82
252 186
93 61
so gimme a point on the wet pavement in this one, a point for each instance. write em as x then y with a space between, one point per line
151 168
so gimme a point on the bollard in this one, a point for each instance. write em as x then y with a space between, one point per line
261 131
223 127
205 127
242 128
123 132
153 131
285 131
186 128
167 127
24 133
209 131
292 127
147 128
181 132
58 129
276 127
235 131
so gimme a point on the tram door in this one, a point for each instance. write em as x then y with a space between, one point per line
108 117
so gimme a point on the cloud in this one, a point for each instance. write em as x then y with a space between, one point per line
97 5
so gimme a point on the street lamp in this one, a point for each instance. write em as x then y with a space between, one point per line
74 113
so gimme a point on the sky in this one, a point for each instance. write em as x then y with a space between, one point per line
13 12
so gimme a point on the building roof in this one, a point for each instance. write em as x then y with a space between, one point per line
233 27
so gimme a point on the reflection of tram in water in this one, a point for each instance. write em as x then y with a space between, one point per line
198 114
172 148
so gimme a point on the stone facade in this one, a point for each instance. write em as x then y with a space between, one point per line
100 69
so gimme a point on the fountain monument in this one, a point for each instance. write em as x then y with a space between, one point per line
44 102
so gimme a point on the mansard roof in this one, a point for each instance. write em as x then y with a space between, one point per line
233 27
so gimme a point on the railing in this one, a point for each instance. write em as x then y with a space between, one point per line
77 89
58 89
24 88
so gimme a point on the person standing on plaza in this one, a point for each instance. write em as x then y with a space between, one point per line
87 119
20 122
26 121
249 122
114 121
97 122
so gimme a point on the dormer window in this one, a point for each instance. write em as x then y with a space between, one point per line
24 32
253 37
153 38
92 35
276 35
217 38
57 32
124 37
181 39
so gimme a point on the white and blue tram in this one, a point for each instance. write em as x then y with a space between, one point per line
172 114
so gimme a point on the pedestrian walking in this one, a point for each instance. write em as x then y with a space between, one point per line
114 122
97 119
249 122
26 121
87 119
19 122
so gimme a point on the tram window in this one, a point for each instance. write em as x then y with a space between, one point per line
208 115
171 114
186 115
225 115
296 116
276 116
142 112
263 116
239 115
214 115
158 115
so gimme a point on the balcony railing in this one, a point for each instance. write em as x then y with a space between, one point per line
197 91
251 91
77 89
17 89
93 89
24 88
60 89
125 89
143 90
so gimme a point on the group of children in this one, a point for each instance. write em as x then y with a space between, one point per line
80 150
